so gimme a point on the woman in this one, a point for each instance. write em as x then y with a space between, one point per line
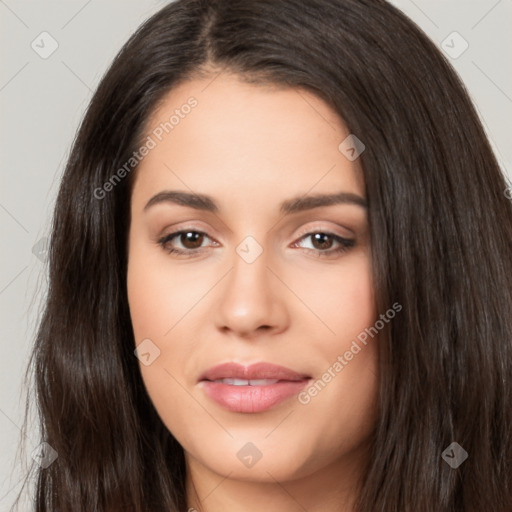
280 274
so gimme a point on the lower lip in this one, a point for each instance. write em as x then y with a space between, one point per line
252 398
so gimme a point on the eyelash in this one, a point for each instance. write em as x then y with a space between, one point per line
345 243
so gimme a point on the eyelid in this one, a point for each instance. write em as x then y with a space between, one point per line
178 227
315 227
320 227
176 232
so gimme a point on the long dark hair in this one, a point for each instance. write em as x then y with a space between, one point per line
441 231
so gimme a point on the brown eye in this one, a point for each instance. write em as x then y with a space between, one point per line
322 240
326 244
191 239
184 242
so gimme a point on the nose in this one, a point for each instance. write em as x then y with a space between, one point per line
251 299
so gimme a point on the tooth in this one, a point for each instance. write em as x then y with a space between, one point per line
236 382
245 382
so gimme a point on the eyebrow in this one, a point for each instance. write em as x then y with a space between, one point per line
293 205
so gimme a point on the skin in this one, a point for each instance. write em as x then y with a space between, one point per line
251 147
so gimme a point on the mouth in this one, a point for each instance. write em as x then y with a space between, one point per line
245 382
251 389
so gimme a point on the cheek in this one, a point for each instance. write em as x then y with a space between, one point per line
343 396
143 299
342 299
161 302
153 307
158 296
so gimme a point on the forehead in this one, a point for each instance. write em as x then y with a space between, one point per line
221 136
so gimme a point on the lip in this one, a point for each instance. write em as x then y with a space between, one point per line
254 371
251 399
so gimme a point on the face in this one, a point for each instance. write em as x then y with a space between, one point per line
257 280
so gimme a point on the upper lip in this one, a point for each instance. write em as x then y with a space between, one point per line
252 372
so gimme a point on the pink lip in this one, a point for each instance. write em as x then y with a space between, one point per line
251 399
254 371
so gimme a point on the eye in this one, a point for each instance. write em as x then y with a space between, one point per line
323 241
191 242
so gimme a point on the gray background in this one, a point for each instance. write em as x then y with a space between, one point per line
43 99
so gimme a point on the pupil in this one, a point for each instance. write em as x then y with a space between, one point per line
191 237
318 238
